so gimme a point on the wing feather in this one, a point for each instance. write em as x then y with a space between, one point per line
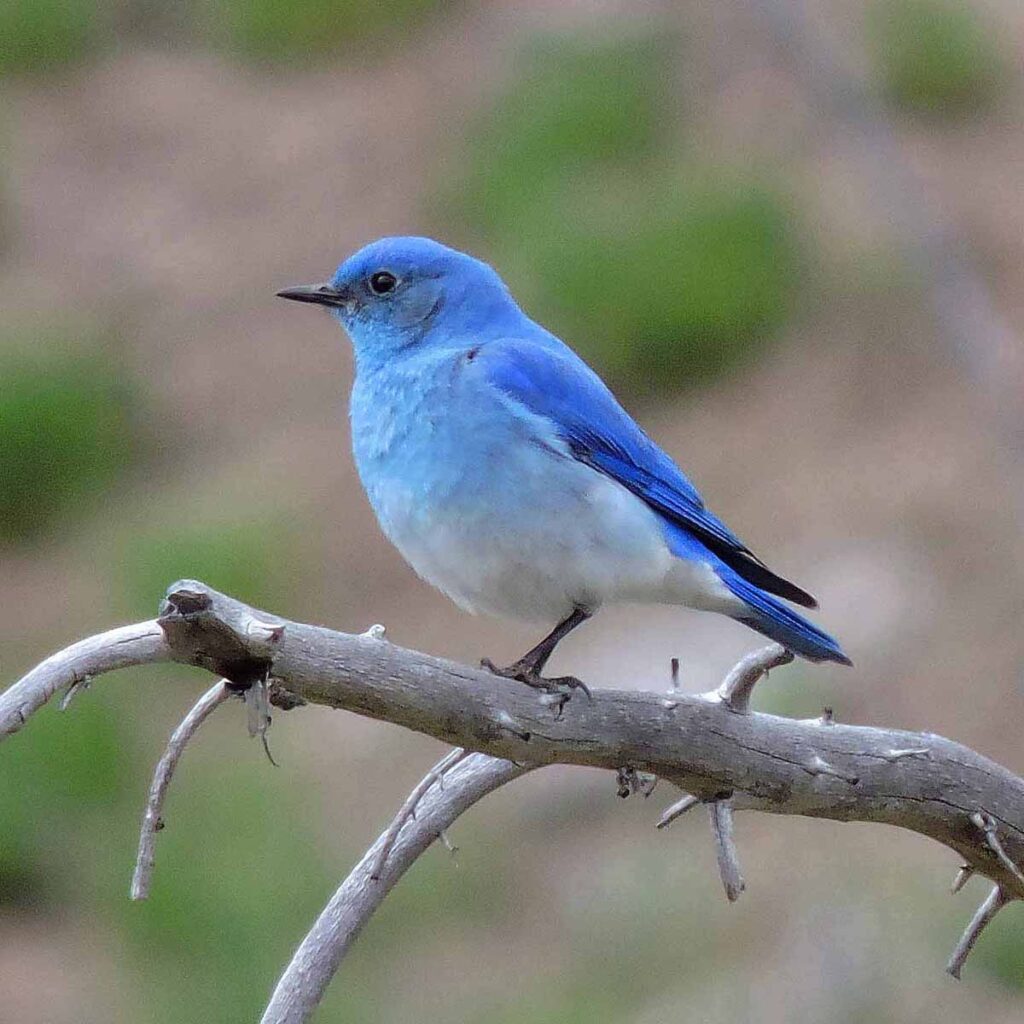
555 384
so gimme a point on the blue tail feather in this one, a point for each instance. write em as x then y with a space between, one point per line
768 615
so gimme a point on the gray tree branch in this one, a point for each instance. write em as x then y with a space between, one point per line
141 644
315 962
710 745
152 818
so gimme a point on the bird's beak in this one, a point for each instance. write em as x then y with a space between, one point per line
322 294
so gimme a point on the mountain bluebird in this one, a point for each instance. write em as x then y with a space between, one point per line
507 474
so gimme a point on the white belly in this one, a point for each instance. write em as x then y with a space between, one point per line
593 543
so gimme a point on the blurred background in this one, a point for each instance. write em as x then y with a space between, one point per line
815 218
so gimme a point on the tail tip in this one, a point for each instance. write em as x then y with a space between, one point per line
830 653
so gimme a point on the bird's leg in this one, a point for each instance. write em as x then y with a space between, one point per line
529 667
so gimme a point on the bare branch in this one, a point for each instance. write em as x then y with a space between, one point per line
738 685
152 818
814 767
315 962
720 816
408 809
994 902
843 772
141 644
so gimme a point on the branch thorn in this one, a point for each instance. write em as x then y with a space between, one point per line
679 808
899 754
963 876
267 632
452 849
77 687
720 816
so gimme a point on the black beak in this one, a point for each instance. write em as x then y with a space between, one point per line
321 294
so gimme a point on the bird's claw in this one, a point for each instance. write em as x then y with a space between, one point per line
525 673
561 683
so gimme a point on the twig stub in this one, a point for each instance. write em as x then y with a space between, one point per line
677 809
720 816
738 685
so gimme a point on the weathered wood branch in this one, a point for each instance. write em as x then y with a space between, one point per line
917 781
711 745
74 667
152 818
437 806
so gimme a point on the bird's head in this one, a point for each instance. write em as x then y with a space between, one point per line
401 292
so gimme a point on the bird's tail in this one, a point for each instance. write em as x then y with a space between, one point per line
770 616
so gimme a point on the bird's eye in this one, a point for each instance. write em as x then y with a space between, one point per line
382 282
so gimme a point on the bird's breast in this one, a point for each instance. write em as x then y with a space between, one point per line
406 439
484 501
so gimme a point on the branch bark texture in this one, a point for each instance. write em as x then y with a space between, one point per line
813 767
702 743
710 745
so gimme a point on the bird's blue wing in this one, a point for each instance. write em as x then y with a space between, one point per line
554 383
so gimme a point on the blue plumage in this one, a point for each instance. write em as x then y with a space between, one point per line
507 473
600 433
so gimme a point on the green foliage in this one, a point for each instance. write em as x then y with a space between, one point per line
240 557
67 771
65 420
45 35
674 294
300 30
571 104
40 36
239 879
663 273
935 57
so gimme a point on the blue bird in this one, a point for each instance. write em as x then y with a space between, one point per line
507 474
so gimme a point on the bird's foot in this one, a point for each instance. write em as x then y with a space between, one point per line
525 672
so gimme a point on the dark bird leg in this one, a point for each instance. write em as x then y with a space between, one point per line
529 667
